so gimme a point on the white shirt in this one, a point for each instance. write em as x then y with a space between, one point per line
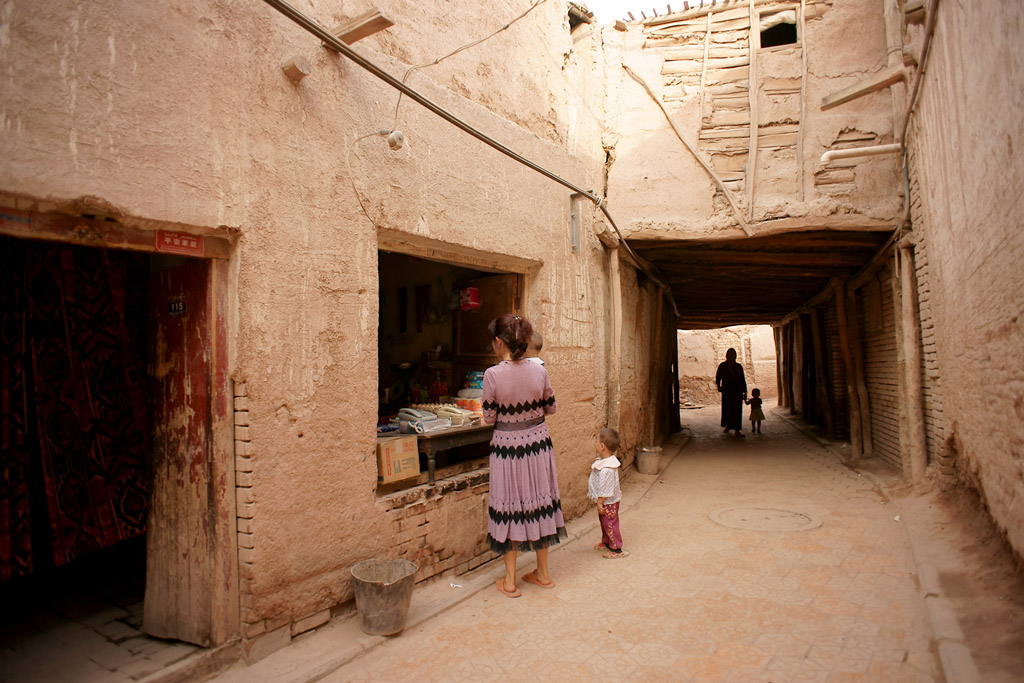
604 480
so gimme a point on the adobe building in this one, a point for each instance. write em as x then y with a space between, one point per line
231 250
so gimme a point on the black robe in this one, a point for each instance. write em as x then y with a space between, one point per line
733 387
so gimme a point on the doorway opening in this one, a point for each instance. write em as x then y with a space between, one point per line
433 346
700 352
80 416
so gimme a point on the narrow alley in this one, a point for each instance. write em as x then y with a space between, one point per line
753 559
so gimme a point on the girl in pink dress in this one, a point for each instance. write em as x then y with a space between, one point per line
524 506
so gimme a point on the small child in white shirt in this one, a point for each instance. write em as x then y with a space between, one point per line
603 487
532 353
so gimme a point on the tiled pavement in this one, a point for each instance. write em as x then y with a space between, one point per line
757 559
64 629
761 559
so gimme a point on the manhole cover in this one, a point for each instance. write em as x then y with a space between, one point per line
764 519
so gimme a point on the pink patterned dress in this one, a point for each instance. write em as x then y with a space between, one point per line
524 507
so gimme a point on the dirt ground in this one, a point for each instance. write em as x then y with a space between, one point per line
976 571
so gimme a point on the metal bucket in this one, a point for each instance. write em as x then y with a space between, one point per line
648 459
383 591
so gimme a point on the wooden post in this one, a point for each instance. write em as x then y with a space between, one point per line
894 58
852 402
777 333
901 365
821 373
754 41
857 351
615 365
798 367
787 368
654 376
917 439
704 72
357 28
803 103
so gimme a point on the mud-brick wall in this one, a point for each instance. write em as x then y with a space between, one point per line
968 134
878 330
441 528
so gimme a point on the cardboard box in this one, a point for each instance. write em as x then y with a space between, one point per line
397 458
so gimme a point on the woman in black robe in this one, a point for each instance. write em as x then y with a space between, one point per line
733 387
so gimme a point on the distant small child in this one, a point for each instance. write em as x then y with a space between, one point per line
604 488
532 352
756 414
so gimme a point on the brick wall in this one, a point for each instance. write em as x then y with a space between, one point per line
878 336
260 636
442 528
836 369
939 454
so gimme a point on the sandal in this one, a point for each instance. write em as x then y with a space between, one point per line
509 594
615 556
532 578
600 546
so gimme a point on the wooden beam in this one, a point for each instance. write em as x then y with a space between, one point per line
857 349
883 79
821 373
917 437
357 28
852 401
754 42
704 72
104 233
803 104
615 347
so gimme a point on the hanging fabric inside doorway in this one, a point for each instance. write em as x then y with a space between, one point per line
74 400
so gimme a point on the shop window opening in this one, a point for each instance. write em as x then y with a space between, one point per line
433 347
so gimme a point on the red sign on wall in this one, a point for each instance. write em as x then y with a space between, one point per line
179 243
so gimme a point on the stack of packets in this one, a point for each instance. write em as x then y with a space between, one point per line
471 397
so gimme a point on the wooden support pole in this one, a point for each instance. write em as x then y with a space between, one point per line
821 374
883 79
917 438
896 290
754 42
852 401
657 367
895 59
696 154
357 28
797 343
704 72
787 366
777 333
857 351
615 362
803 104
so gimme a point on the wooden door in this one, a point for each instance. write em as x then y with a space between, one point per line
183 537
472 342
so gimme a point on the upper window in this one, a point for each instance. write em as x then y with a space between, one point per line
778 28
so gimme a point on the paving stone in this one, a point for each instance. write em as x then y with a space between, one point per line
104 616
172 653
117 631
139 668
